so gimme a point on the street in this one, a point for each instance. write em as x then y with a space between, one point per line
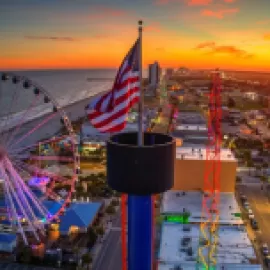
16 266
260 206
111 252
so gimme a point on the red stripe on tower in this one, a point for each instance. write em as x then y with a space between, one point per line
108 113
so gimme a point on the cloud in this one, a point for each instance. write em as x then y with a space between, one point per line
266 36
206 45
223 49
103 12
263 22
154 27
219 14
199 2
52 38
192 2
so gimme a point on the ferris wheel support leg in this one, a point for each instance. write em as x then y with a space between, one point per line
39 206
14 194
16 182
13 210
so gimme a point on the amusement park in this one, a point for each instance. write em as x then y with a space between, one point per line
40 168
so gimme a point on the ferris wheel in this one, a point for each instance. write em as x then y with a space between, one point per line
39 161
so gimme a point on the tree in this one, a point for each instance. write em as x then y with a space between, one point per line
238 179
115 202
110 210
26 254
100 230
79 189
92 235
231 103
87 259
263 178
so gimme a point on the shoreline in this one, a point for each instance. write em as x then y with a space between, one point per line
73 111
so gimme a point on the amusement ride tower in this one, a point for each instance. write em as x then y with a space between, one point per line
211 196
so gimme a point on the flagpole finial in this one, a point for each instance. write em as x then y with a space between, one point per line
140 23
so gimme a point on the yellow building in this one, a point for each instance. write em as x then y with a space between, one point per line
190 168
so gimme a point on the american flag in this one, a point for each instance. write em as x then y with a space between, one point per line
108 113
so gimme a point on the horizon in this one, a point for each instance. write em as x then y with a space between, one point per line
115 69
198 34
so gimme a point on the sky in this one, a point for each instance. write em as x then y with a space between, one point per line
56 34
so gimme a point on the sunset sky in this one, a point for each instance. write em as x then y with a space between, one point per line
43 34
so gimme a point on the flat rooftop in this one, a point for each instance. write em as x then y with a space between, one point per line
191 127
174 202
190 118
200 153
234 247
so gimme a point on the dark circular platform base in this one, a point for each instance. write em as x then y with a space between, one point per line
140 170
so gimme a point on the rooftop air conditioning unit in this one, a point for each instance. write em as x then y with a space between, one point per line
190 251
186 228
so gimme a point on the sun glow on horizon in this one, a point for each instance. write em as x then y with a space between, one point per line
194 33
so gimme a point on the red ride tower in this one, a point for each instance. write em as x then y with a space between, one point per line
210 203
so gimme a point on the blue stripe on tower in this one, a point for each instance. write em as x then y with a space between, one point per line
139 232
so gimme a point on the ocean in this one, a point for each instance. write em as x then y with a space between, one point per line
66 86
72 90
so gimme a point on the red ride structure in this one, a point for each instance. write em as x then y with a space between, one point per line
211 197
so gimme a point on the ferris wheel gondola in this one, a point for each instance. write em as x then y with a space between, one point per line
38 157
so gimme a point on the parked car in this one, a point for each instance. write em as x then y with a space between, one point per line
254 224
251 216
265 250
246 205
243 198
267 261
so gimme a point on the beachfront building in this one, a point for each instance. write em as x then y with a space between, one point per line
78 217
8 242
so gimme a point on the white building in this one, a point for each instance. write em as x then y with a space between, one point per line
251 95
154 74
180 243
8 242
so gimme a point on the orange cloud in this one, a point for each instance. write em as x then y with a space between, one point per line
199 2
263 22
206 45
223 49
191 2
219 14
154 27
266 36
52 38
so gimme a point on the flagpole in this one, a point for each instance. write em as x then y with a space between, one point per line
141 102
140 206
